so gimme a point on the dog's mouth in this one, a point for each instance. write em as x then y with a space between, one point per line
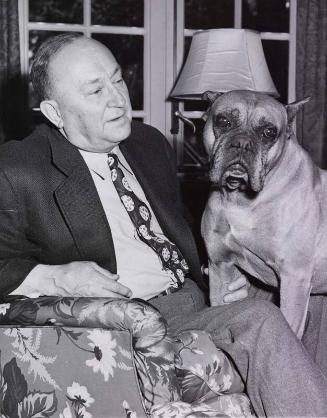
235 177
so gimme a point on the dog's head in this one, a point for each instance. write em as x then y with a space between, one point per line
244 135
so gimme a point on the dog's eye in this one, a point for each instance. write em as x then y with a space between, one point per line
269 133
222 121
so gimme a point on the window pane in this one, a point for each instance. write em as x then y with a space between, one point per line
128 50
56 11
197 105
118 12
266 16
187 45
207 14
276 53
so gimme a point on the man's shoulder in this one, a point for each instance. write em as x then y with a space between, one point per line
35 139
145 137
27 152
149 149
146 133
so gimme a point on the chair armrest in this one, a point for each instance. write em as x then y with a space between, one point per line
108 313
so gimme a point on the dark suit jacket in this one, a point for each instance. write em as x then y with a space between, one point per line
50 212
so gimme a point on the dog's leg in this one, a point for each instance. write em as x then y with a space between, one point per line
294 300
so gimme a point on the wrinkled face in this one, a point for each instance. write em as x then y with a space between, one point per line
92 98
244 136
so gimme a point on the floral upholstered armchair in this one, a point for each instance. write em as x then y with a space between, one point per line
100 357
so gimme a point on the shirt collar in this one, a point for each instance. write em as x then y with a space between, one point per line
98 161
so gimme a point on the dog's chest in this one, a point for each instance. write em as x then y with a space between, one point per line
233 232
226 217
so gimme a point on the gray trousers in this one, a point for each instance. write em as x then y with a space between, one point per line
281 377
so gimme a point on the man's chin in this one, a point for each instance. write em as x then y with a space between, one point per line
118 130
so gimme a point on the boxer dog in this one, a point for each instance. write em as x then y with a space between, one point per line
266 216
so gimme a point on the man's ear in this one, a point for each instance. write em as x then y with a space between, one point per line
294 107
50 110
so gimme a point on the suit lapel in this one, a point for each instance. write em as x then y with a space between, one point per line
150 182
80 205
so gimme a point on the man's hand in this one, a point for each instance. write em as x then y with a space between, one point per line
239 288
78 278
86 278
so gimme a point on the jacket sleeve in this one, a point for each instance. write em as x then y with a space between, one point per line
16 252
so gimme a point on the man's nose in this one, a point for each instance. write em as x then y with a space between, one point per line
241 142
115 97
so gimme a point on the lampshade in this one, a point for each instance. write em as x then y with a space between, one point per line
223 60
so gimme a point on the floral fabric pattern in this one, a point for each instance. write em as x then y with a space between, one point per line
104 349
103 357
203 370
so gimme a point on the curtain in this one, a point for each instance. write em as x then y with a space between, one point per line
11 85
311 77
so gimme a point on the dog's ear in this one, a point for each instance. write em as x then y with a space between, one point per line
211 96
294 107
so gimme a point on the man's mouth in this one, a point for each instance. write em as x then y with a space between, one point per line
235 177
117 117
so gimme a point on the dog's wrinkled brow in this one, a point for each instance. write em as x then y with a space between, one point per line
264 122
230 113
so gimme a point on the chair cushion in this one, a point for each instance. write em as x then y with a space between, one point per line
63 372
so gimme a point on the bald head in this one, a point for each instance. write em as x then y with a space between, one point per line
39 71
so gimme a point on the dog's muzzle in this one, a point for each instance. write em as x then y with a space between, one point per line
235 177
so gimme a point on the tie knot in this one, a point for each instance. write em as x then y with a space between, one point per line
112 160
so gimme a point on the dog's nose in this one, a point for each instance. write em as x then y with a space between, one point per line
242 142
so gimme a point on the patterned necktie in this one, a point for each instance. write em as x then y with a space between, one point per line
170 256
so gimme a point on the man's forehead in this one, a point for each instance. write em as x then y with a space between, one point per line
83 52
83 61
92 80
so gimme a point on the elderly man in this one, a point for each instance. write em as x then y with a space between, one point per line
89 206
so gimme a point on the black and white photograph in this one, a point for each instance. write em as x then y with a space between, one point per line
163 208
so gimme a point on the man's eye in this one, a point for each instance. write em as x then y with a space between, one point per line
269 133
119 80
97 91
222 122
